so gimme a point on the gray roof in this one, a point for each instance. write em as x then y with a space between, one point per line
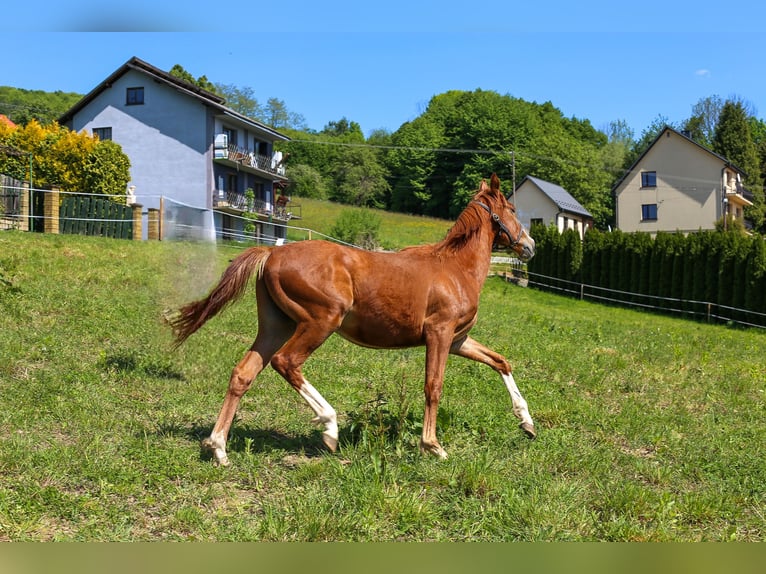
207 98
559 196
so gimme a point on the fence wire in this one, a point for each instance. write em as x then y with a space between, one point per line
686 307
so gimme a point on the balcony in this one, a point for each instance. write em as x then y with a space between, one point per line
235 203
243 158
737 194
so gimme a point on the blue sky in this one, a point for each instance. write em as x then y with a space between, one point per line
380 63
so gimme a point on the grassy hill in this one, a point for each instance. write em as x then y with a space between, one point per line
397 230
650 428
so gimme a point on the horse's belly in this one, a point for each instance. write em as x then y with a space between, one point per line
381 333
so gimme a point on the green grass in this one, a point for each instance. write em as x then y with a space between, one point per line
650 428
397 230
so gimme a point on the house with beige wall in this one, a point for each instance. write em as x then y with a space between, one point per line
542 202
678 185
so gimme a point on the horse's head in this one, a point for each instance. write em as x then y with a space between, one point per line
509 232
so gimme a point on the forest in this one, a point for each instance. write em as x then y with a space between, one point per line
431 165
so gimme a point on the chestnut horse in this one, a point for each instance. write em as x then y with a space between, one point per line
424 295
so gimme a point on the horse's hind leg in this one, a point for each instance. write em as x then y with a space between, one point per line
471 349
273 331
242 377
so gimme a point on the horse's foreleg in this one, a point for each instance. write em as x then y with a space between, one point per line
436 361
288 361
242 377
471 349
325 414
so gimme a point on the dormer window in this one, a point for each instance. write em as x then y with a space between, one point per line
135 97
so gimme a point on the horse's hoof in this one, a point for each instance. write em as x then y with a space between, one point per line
330 442
529 430
433 449
218 454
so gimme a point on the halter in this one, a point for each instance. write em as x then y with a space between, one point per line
503 228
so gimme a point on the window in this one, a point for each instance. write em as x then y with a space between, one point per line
649 212
135 97
231 135
231 182
535 221
648 179
103 133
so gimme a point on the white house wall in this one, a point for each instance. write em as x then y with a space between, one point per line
162 138
531 204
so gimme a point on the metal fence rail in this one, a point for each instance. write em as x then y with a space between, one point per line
701 310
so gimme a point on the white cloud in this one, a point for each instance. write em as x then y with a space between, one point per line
702 72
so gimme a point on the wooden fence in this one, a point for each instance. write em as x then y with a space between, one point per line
54 211
91 215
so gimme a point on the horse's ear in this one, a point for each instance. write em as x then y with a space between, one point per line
483 187
495 183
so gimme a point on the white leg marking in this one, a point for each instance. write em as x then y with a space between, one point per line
519 404
216 443
325 414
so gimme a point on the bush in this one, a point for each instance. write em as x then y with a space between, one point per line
359 227
305 181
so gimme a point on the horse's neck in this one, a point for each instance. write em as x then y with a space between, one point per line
473 256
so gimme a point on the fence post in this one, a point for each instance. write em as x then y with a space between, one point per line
154 224
51 211
137 221
160 219
24 223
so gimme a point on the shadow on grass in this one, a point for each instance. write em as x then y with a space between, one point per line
139 363
245 438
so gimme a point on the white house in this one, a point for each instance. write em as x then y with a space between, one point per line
542 202
187 147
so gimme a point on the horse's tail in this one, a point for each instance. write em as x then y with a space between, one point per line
231 286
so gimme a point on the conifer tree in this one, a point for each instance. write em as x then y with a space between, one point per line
734 141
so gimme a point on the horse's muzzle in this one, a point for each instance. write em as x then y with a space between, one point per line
527 247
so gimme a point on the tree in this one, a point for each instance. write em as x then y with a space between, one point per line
242 100
704 119
613 156
179 72
23 106
463 137
411 162
305 181
59 156
734 141
276 114
360 179
106 169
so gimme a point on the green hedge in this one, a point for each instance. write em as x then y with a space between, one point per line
705 274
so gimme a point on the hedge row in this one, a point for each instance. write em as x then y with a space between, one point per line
710 273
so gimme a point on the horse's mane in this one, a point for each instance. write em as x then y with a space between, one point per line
466 227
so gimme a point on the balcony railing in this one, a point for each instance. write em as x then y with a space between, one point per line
737 193
240 202
248 158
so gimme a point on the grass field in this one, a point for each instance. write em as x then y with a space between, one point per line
397 230
650 428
